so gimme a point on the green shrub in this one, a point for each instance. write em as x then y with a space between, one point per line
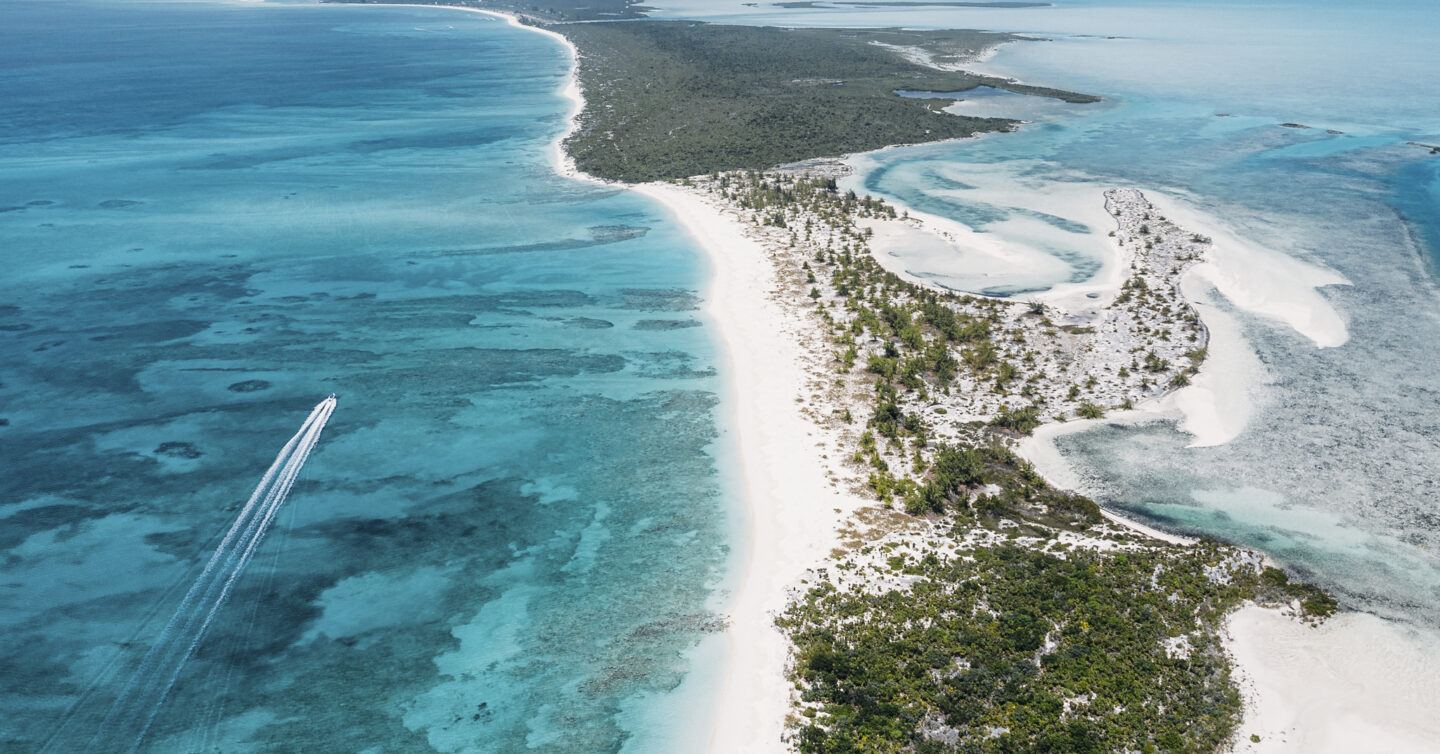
1023 420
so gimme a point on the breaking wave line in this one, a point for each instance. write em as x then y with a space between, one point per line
135 710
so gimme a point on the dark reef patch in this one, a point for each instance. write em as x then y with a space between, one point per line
178 449
153 332
648 300
666 324
465 139
22 524
181 543
670 365
248 386
589 323
616 233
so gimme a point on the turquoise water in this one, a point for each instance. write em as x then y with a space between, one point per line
511 534
1336 473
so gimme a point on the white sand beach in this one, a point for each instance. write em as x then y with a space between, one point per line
793 509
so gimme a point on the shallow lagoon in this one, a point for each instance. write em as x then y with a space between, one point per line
1334 475
512 532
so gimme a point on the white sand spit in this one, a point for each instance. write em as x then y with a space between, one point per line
1356 683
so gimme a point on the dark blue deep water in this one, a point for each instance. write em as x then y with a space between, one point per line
511 534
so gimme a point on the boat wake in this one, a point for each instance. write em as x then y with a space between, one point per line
130 718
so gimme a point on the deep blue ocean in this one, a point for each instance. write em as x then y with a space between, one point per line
511 534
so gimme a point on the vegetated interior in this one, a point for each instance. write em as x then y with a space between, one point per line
980 609
671 99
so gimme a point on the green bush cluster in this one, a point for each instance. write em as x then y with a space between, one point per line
1010 649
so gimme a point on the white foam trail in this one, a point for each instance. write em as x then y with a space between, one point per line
133 712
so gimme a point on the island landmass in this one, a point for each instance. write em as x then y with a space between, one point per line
964 603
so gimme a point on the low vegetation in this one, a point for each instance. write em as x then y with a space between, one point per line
1011 648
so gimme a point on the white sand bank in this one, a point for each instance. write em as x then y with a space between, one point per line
792 506
1261 280
1357 683
1219 401
1215 408
934 250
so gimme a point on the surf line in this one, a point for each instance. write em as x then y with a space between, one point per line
144 695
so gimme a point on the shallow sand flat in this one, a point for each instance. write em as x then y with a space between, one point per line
1022 251
952 255
1357 683
1219 402
1263 281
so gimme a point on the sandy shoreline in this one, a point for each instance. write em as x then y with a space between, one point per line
794 510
